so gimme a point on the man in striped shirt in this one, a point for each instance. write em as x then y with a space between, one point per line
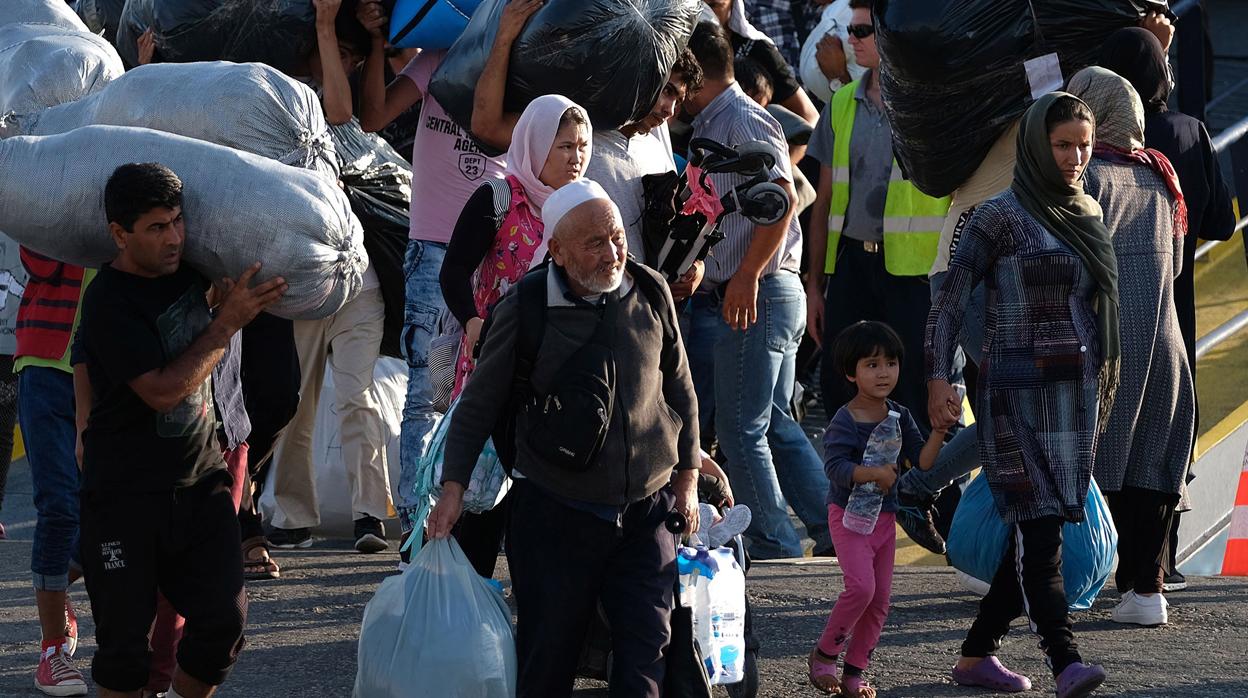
745 326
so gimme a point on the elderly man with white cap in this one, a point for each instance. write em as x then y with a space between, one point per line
593 484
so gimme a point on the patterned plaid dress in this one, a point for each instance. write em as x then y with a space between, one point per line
1037 400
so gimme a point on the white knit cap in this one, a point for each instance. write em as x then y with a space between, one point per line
568 197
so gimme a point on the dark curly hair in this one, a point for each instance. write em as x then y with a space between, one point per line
689 70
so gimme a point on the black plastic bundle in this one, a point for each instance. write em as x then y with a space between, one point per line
953 74
610 56
277 32
378 183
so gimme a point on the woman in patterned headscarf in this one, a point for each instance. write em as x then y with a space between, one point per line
1051 357
1143 455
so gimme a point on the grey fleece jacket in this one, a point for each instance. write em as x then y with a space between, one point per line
654 426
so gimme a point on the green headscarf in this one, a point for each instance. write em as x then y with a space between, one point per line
1074 218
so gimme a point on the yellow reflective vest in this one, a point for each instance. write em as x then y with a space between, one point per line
912 219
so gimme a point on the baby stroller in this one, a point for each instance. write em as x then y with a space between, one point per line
681 220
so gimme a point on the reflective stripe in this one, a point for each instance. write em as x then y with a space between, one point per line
913 224
912 220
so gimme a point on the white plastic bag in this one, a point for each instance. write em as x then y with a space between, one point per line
712 583
836 16
438 629
240 209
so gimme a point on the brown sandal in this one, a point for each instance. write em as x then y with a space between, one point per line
822 673
258 566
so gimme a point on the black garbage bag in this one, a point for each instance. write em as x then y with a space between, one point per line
102 16
954 72
610 56
378 182
277 32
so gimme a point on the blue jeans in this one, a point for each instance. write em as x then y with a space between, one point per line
961 455
748 376
421 265
45 410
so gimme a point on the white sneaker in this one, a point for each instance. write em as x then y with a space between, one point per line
734 522
1149 611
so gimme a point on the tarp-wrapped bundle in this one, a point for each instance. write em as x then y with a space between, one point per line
378 182
102 16
41 12
277 32
247 106
610 56
240 209
43 65
956 73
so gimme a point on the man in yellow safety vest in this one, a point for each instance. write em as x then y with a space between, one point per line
873 234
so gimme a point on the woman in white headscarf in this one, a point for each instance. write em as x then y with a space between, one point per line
500 233
749 42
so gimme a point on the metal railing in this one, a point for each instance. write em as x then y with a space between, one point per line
1190 40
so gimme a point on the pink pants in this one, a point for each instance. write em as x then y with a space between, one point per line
860 610
167 628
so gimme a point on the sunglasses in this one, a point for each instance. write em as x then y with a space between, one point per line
861 31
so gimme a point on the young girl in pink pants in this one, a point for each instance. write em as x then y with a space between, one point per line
869 355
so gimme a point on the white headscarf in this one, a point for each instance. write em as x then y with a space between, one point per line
531 143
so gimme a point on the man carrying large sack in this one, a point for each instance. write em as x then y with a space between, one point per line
156 510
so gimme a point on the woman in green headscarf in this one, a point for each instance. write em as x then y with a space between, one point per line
1050 366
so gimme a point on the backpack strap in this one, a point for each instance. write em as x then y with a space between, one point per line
501 189
531 296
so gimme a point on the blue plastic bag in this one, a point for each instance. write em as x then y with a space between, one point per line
487 487
429 24
438 629
977 542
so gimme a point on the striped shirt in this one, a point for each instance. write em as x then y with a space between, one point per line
733 119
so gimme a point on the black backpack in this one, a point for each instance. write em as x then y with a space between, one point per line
531 297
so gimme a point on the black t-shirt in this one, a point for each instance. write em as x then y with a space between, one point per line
783 83
132 325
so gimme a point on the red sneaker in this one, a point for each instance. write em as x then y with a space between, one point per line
56 675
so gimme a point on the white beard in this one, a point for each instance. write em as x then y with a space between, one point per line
599 283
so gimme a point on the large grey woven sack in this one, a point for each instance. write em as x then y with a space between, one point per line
240 209
246 106
55 12
43 65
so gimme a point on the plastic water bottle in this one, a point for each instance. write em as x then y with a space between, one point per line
866 498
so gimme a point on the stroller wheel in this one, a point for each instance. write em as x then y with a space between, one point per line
765 203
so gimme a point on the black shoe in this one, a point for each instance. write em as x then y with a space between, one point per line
289 538
405 554
917 522
370 536
1174 582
